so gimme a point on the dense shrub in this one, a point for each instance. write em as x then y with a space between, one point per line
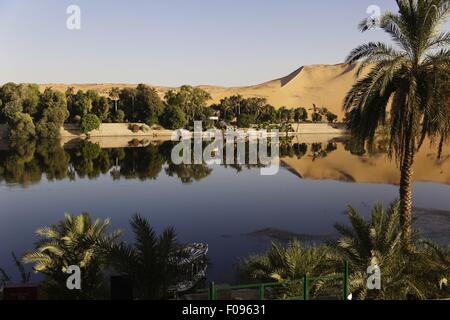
89 122
101 108
317 117
52 114
148 105
21 127
300 115
173 118
10 109
331 117
245 121
119 117
192 101
18 98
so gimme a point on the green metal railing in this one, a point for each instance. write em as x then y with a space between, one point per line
304 286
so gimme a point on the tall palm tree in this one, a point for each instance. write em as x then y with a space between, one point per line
410 78
148 261
76 240
378 242
114 95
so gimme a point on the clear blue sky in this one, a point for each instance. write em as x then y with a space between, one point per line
173 42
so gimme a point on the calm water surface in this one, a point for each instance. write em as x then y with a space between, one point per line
232 209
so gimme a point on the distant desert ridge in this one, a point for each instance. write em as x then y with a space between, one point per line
323 85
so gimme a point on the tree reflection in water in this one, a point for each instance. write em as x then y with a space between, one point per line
26 164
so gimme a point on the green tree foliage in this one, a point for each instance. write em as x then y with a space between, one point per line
173 118
53 160
30 96
21 128
20 166
286 115
267 114
316 117
84 160
232 107
114 95
10 109
52 114
128 103
291 263
11 104
191 100
149 106
89 122
229 107
378 242
285 263
100 105
80 105
331 117
245 121
148 261
418 274
18 98
300 115
188 173
76 240
408 75
119 116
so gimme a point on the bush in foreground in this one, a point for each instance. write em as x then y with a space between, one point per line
422 273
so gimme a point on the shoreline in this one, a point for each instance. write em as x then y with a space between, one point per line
109 130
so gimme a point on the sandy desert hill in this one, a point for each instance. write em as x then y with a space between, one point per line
323 85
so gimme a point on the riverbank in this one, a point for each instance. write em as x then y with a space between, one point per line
123 130
114 130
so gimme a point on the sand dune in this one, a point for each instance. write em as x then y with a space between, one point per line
324 85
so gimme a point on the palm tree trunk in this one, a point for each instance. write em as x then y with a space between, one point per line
406 183
440 148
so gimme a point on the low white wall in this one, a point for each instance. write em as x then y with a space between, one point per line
111 130
105 130
121 130
319 128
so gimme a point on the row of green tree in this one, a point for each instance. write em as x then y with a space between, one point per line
30 113
256 111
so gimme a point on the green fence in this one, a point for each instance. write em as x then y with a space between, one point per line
267 291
